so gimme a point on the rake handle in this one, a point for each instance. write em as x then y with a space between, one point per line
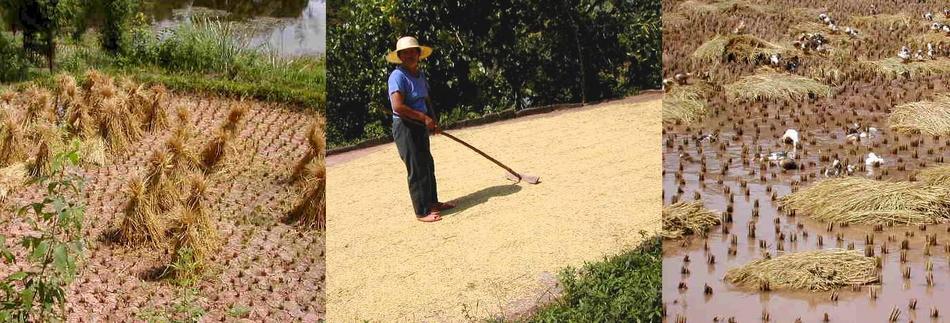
512 171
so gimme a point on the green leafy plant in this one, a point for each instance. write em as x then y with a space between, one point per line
37 293
623 288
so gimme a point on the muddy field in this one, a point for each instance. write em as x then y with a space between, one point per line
721 157
261 266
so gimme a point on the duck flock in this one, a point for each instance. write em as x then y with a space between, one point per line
745 155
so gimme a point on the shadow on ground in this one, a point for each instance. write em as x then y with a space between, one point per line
481 196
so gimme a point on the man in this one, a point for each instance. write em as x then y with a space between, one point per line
413 120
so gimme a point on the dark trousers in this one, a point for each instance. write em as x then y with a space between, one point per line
412 141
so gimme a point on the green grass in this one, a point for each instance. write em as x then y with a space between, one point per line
206 57
623 288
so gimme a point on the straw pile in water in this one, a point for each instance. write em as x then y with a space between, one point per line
776 86
894 66
929 117
686 104
936 176
687 218
861 200
887 21
721 6
819 270
744 47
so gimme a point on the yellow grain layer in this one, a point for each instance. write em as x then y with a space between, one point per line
600 171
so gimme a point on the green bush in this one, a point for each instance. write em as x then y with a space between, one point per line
38 292
624 288
489 55
15 66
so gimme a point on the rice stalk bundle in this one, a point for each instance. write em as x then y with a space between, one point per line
687 218
39 106
182 159
7 97
776 86
198 231
894 66
98 86
161 188
11 142
888 21
214 151
67 89
721 6
686 104
93 151
39 165
235 117
316 139
155 117
12 178
744 48
80 122
118 125
867 201
310 209
936 175
819 270
928 117
141 224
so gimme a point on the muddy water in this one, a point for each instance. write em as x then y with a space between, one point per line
288 27
822 123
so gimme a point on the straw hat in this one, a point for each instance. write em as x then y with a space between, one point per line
406 43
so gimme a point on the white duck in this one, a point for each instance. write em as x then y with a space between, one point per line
791 136
873 160
904 54
930 50
851 31
775 59
936 26
929 16
834 170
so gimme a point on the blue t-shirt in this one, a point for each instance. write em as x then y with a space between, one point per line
414 89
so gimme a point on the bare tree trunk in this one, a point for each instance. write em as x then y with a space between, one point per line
580 53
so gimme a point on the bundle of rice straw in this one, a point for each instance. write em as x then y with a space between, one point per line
929 117
887 21
721 6
11 178
198 231
310 209
687 218
11 141
744 47
141 224
317 142
894 66
867 201
776 86
686 104
819 270
936 175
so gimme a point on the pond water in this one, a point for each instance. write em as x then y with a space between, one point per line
289 27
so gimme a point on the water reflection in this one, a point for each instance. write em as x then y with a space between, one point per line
289 27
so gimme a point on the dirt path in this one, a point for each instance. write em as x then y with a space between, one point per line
600 170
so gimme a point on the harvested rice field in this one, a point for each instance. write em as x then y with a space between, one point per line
498 253
196 207
823 164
